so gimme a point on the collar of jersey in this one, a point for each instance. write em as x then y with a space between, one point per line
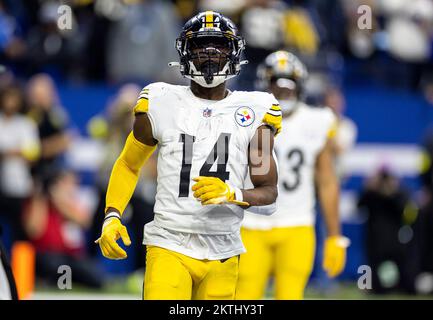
207 101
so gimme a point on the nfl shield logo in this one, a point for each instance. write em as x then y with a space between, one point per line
207 113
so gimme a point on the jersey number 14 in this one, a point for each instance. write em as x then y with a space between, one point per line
219 153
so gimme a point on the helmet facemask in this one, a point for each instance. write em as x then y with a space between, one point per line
210 59
287 93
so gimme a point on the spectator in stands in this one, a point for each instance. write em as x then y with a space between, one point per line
55 221
389 233
47 44
19 148
361 41
329 20
229 8
269 25
141 42
186 8
262 26
12 45
425 225
119 121
46 111
299 31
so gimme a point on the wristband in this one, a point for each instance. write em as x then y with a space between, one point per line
110 215
239 196
237 192
342 241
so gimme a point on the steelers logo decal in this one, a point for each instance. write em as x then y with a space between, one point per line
244 116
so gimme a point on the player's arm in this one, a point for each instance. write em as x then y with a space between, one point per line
139 146
327 184
263 169
328 189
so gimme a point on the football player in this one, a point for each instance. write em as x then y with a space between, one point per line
208 138
284 243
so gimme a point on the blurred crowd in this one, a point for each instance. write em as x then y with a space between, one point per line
39 192
131 41
123 40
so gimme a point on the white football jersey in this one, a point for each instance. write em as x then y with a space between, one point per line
199 137
304 135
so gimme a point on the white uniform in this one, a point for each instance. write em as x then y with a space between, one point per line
17 133
200 137
304 135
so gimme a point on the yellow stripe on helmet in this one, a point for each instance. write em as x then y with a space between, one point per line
209 19
282 60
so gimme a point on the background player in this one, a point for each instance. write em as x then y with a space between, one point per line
203 133
284 243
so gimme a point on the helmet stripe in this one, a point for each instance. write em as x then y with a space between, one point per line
209 19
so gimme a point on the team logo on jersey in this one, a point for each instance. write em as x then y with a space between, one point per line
207 113
244 116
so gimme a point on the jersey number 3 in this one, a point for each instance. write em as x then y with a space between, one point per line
219 153
296 158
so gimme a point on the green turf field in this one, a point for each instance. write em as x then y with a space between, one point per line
131 290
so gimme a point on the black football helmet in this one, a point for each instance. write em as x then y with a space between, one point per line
281 64
286 71
209 48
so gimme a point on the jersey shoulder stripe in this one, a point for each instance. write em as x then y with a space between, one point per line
274 112
273 121
276 107
273 118
144 94
142 105
156 89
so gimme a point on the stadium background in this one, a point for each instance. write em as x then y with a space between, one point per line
383 74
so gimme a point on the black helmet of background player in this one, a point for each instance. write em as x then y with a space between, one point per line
209 48
283 74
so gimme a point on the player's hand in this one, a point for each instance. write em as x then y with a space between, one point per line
212 190
334 255
112 230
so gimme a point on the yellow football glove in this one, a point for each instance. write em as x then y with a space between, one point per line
334 255
212 190
112 230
